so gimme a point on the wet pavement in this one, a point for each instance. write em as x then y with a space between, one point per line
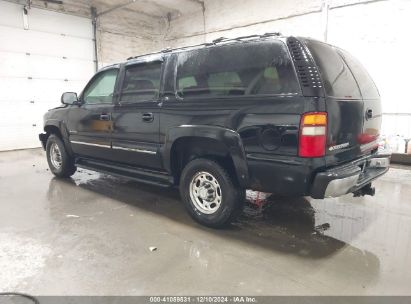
91 235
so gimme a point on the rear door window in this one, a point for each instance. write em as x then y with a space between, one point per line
364 80
186 82
245 69
337 77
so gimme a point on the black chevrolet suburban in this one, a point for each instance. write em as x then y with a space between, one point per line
285 115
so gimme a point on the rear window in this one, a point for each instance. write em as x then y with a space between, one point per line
262 68
364 80
337 77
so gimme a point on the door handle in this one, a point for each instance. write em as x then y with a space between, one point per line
105 117
148 117
368 114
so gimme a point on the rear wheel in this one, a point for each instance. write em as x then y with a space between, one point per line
60 163
210 194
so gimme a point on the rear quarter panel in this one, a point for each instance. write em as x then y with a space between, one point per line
269 130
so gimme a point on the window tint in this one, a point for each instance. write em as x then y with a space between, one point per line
186 82
102 88
141 82
238 69
338 80
364 80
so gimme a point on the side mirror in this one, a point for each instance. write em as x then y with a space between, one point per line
69 98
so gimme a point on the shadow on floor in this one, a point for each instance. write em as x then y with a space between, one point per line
285 225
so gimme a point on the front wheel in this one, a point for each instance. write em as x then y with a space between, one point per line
60 163
210 194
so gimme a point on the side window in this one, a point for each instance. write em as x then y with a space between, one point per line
224 83
141 82
186 82
364 80
102 88
240 69
337 77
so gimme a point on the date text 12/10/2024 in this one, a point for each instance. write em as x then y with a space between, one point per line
203 299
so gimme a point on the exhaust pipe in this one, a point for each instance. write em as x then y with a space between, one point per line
366 190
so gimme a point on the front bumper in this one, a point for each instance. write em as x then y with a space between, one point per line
43 140
349 177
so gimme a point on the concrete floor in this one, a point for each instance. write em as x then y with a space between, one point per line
90 235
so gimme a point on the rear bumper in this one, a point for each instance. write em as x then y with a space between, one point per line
349 177
284 176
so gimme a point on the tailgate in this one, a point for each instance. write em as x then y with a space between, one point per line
372 112
352 103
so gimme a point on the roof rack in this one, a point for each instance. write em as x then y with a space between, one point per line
269 34
218 40
223 39
214 42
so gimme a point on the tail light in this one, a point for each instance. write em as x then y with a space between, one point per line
313 134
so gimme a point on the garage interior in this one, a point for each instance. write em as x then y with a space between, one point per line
95 234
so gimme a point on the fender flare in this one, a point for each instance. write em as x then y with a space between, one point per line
61 126
229 138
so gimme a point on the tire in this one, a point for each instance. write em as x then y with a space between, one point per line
210 195
62 165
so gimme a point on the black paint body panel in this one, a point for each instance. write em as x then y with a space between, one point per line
259 133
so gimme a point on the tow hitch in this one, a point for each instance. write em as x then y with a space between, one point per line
366 190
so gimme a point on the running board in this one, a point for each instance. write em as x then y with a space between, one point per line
138 174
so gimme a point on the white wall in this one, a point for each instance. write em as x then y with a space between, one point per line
53 55
231 18
129 30
122 34
56 54
377 34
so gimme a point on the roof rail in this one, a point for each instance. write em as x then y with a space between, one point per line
214 42
269 34
219 40
166 50
223 39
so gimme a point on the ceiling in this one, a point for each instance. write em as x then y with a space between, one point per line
150 8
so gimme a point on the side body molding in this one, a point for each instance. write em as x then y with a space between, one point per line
229 138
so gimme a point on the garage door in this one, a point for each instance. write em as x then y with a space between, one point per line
49 54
